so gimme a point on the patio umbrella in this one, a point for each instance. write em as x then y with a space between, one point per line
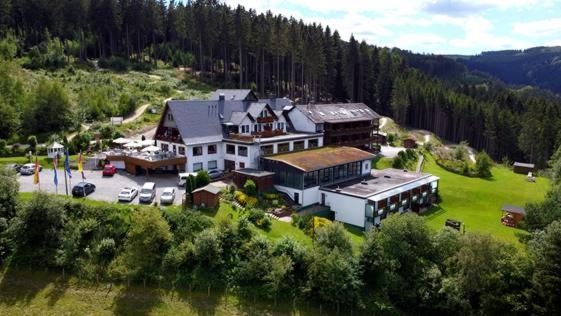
146 142
133 144
151 149
121 141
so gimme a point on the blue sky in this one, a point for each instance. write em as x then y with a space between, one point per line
431 26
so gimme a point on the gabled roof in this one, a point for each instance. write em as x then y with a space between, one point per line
321 158
255 109
337 112
209 188
234 95
237 117
198 121
513 209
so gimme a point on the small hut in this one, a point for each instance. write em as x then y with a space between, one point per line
263 179
55 150
512 215
523 168
207 196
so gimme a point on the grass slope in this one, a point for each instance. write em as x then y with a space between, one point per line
477 202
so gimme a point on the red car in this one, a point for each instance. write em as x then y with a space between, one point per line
109 170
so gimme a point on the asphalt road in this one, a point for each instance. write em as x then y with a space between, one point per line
107 188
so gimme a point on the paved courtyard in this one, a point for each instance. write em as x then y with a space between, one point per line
107 188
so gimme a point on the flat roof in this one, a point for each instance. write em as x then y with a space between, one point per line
322 157
381 181
287 136
254 172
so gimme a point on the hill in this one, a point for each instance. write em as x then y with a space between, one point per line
537 66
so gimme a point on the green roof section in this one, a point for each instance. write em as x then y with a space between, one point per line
322 157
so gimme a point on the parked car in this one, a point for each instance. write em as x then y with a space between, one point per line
182 178
147 193
109 170
128 194
215 174
168 196
29 169
83 189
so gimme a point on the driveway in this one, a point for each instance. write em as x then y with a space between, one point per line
389 151
107 188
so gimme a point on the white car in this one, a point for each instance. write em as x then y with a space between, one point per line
128 194
168 196
28 169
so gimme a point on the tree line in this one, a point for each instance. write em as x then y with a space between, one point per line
404 267
283 56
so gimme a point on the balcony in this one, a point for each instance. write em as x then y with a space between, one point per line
269 119
254 135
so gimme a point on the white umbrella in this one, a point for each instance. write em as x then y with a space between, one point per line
133 144
151 149
121 141
146 142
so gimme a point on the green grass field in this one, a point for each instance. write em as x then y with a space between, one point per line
477 202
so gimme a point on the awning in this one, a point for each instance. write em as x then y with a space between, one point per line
406 187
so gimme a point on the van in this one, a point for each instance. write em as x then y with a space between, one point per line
182 178
147 193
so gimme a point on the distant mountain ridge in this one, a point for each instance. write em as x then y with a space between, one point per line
537 66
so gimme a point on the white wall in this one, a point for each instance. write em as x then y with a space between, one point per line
348 209
301 122
366 167
251 161
307 197
204 158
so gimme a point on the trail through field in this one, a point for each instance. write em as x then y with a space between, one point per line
137 113
84 128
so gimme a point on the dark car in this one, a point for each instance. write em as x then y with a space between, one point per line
15 166
83 189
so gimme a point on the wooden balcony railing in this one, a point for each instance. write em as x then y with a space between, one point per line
265 119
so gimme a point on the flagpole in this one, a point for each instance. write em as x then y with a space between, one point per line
65 182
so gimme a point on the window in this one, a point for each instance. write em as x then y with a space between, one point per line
211 149
181 150
284 147
230 149
296 197
165 147
170 117
245 129
212 165
242 165
313 143
267 150
198 166
299 145
242 151
198 151
264 113
281 125
366 166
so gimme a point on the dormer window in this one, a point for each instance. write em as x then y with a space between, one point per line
170 117
264 113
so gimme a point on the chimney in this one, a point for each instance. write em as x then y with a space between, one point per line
221 97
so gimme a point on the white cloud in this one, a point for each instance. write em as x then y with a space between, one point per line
550 27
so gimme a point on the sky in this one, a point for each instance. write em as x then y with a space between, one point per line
430 26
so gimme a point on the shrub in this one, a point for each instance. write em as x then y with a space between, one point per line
271 196
398 162
3 148
115 63
250 188
259 218
483 164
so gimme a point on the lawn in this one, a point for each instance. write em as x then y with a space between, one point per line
477 202
277 231
382 162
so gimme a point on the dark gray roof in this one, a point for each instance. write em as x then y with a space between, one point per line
525 165
513 209
232 94
337 112
200 121
277 103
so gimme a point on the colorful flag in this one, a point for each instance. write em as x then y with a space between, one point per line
80 168
67 164
55 176
36 175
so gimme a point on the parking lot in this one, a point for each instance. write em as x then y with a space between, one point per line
107 188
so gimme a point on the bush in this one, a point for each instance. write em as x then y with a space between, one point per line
259 218
202 178
250 188
3 148
483 164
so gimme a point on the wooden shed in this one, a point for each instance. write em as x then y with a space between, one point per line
512 215
207 196
523 168
263 179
